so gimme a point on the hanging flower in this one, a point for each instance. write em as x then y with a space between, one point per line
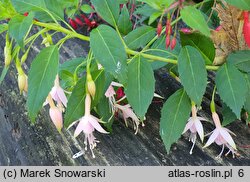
87 124
221 136
56 117
194 126
127 112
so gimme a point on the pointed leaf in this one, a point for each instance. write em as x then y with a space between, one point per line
202 43
19 27
241 4
76 104
124 22
194 18
108 10
141 85
241 59
3 27
193 74
247 103
174 116
109 51
139 37
232 87
228 115
41 79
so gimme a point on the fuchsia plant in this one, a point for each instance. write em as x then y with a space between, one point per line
127 44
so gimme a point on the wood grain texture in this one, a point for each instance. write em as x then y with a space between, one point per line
24 144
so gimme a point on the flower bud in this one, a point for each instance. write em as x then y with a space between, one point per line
168 27
56 117
7 56
167 41
79 21
72 23
91 85
159 28
186 30
173 43
22 82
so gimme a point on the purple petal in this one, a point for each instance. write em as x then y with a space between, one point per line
199 129
228 138
212 138
96 125
62 96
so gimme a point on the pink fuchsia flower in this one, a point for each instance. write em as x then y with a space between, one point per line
194 126
58 94
56 117
127 112
87 124
221 136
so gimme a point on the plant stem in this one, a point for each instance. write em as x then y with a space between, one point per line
158 58
61 29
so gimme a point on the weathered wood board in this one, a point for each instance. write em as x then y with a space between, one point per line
22 143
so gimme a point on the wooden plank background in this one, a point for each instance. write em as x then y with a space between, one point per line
22 143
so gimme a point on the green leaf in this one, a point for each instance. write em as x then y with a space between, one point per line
232 87
76 104
87 9
174 115
241 59
241 4
108 10
139 37
109 51
6 9
194 18
247 103
44 9
193 74
159 49
124 23
19 27
153 17
228 115
41 79
141 85
3 27
71 65
202 43
158 4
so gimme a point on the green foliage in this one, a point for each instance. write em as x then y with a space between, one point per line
108 10
6 9
241 4
247 103
202 43
3 27
41 79
158 4
241 59
76 103
174 115
193 74
232 87
124 23
141 85
109 51
87 9
228 115
139 37
194 18
19 26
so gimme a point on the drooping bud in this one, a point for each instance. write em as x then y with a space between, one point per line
56 117
73 23
86 20
159 28
120 93
7 51
168 27
91 85
246 28
23 82
167 41
26 14
173 43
